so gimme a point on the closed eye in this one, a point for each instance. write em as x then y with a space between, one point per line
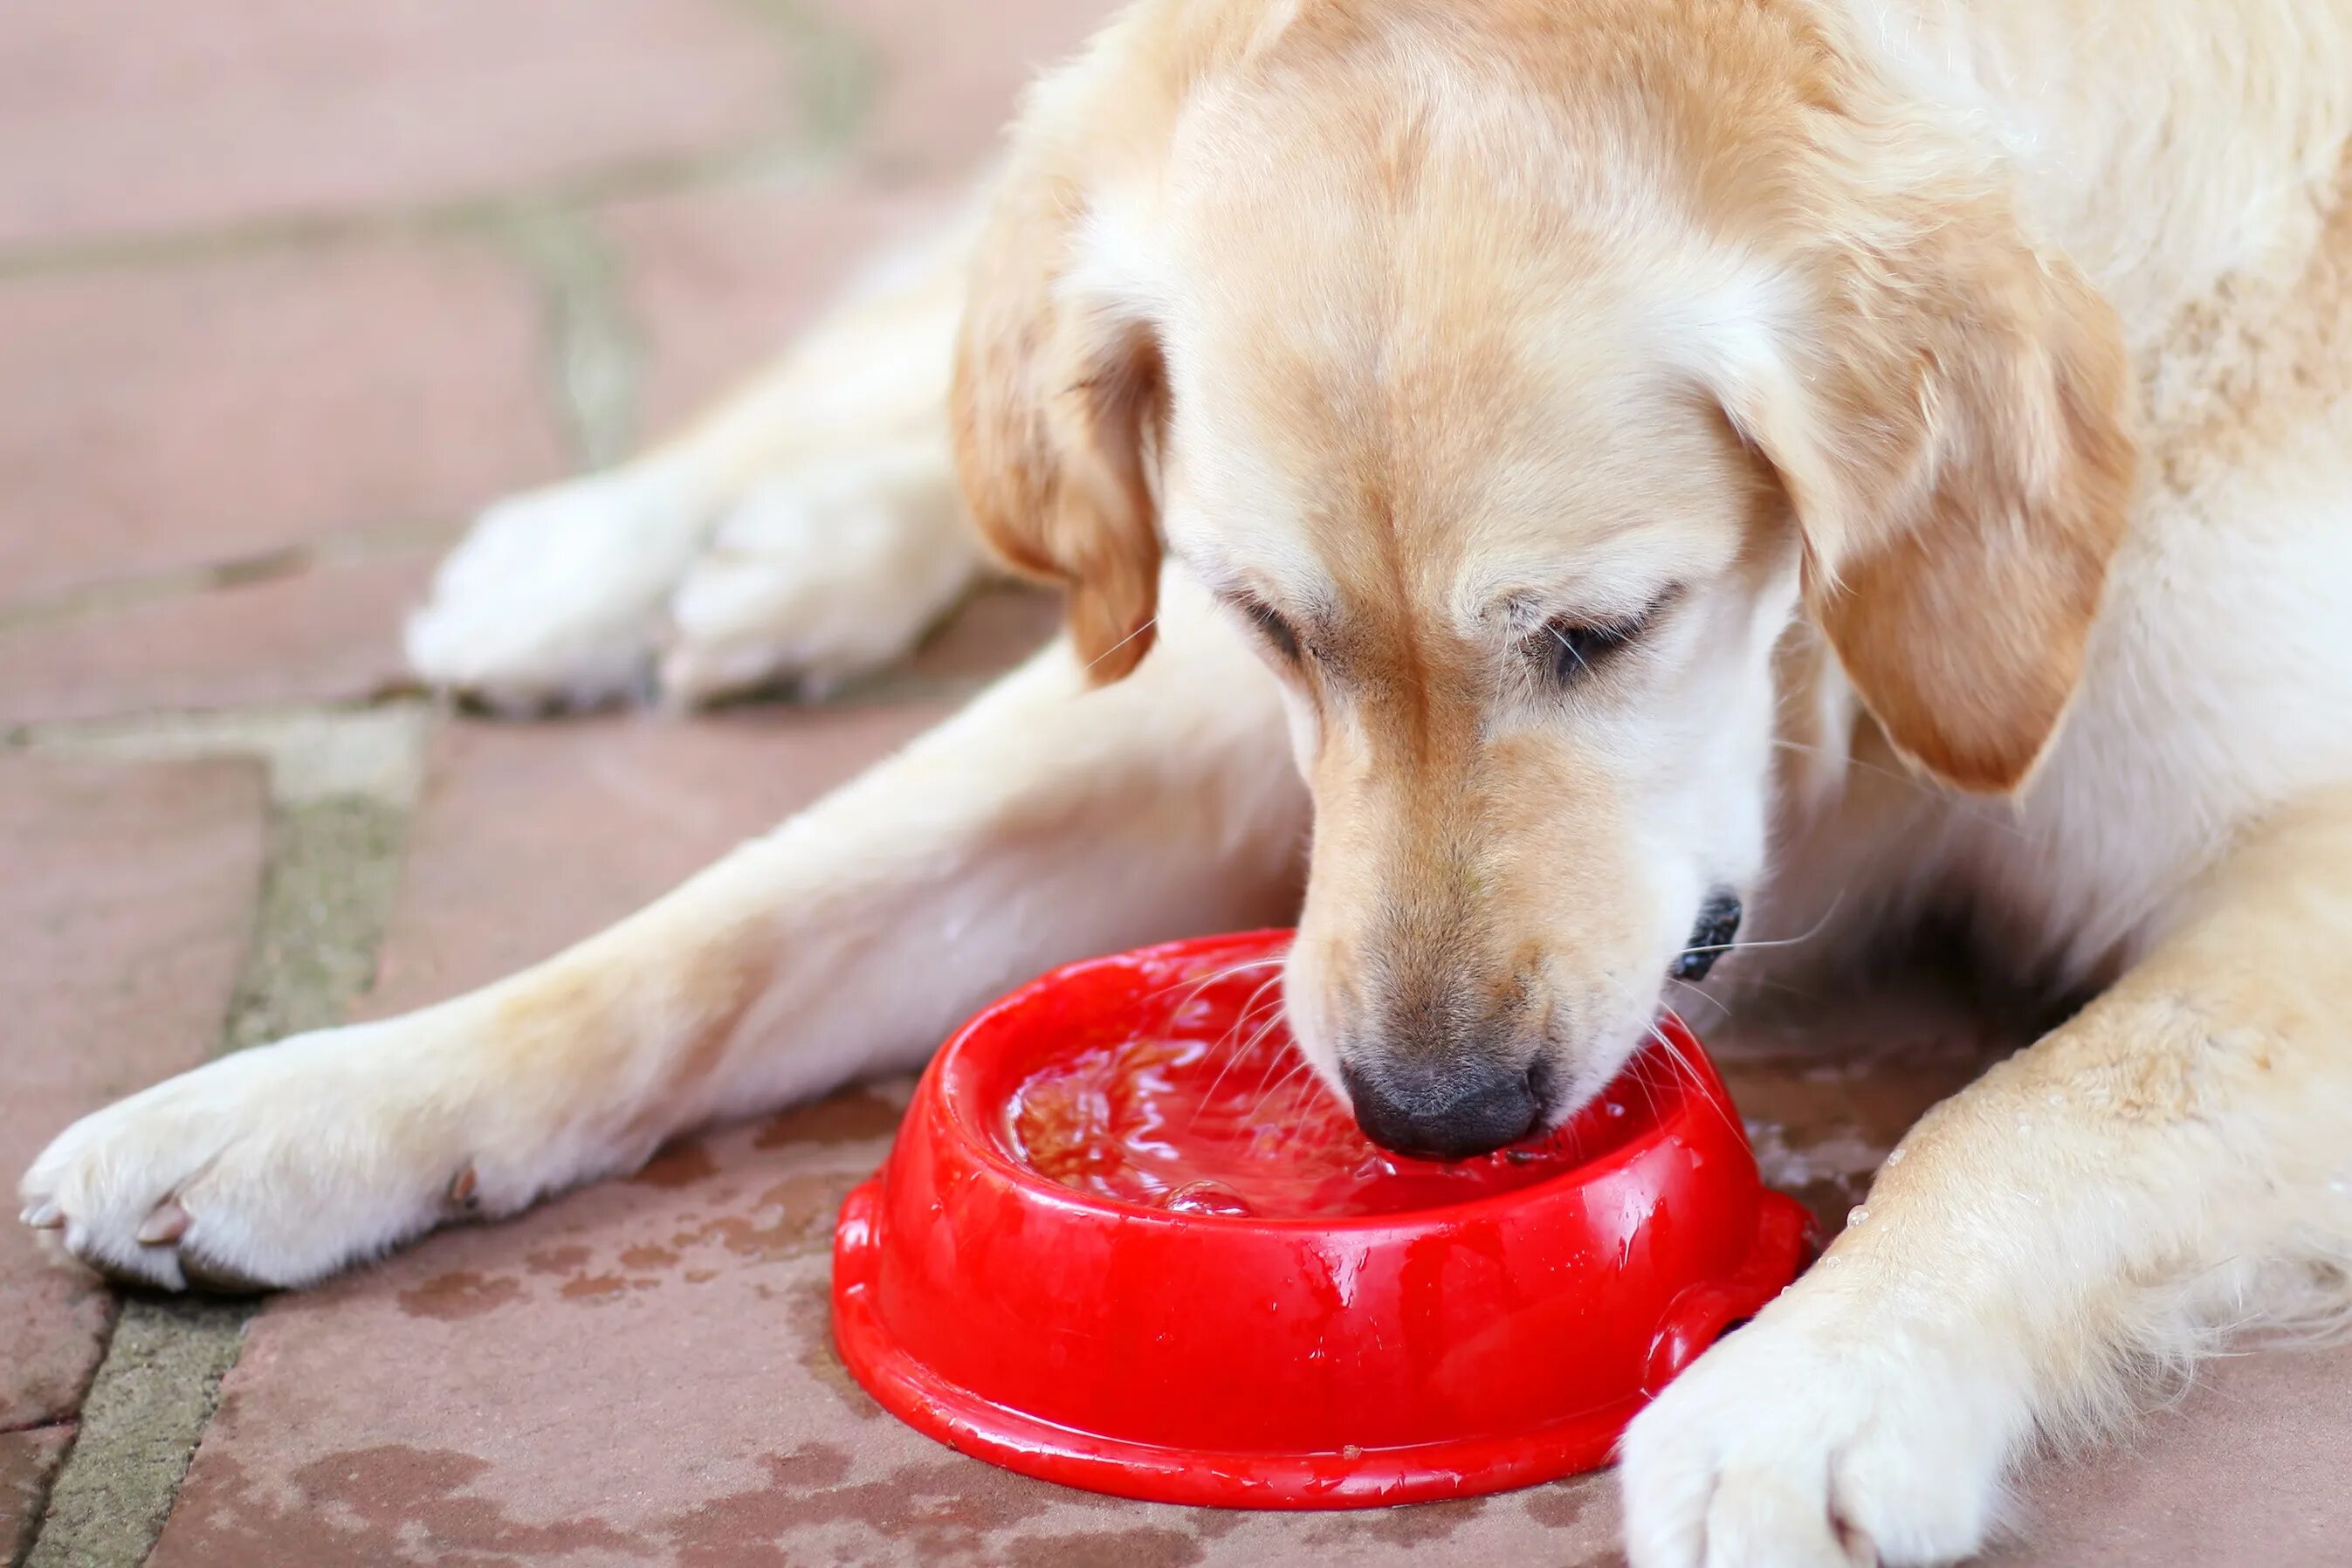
1276 631
1574 649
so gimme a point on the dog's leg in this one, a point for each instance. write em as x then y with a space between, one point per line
2173 1158
809 529
1043 823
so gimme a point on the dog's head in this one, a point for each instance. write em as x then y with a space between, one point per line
1519 376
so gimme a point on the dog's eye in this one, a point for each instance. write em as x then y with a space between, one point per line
1576 648
1273 628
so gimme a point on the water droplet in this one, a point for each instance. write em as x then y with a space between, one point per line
2056 1097
2340 1184
1615 1109
1206 1197
1831 1262
1857 1216
1896 1158
1352 1452
2023 1125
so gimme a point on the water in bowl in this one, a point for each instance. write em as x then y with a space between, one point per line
1203 1120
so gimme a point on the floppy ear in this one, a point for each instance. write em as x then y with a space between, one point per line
1058 404
1954 440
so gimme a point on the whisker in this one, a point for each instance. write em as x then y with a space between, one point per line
1784 743
1649 1089
1272 1021
1257 1039
1735 945
1249 1011
1561 637
1690 1069
1296 1067
1918 786
1122 642
1232 1057
1698 995
1202 982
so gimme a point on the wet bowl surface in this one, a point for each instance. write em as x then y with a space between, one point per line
1125 1243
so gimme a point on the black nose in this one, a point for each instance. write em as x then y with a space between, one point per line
1444 1110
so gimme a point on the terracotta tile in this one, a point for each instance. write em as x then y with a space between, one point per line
120 119
645 1372
638 1370
719 280
950 74
169 418
124 915
2249 1468
1828 1085
327 634
27 1461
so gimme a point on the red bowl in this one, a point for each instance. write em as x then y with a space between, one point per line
1428 1350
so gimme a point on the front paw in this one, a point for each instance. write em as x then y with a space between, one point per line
816 576
556 597
272 1167
1826 1434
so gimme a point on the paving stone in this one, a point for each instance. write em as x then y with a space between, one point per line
643 1371
2249 1468
179 416
124 913
124 119
330 633
27 1460
1827 1087
718 280
949 75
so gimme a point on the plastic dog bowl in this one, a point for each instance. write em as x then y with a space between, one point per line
1320 1324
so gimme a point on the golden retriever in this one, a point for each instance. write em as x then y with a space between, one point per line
1840 459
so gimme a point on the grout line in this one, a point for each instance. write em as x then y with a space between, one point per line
839 75
344 781
112 594
342 786
834 75
472 215
153 1391
595 352
313 754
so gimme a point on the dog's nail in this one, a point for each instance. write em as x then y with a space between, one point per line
44 1215
461 1189
167 1224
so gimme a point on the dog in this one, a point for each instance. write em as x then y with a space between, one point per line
1589 471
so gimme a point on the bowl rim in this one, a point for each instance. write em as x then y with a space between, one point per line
1686 1069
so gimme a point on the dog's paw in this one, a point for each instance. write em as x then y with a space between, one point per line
636 584
556 597
1821 1435
816 576
272 1167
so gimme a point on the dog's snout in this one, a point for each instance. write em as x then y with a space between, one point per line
1447 1108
